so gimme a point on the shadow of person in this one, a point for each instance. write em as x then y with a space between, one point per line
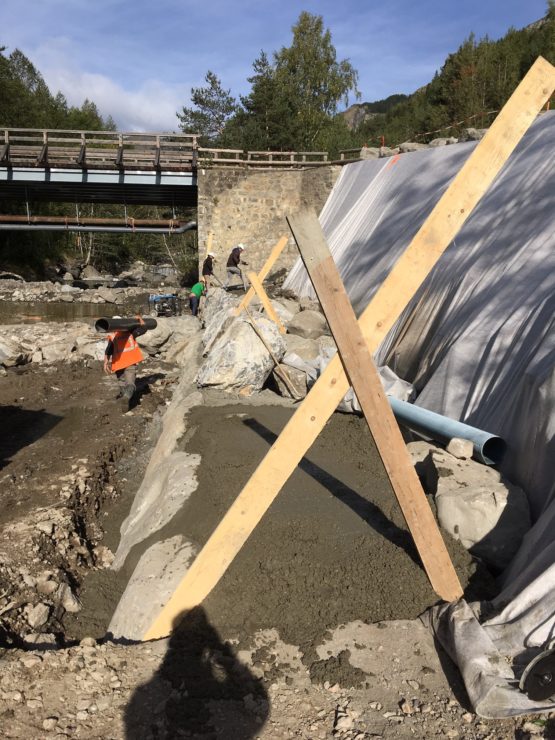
200 691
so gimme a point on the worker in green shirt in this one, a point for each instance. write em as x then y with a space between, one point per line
198 290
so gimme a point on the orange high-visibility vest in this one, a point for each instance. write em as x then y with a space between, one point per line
126 350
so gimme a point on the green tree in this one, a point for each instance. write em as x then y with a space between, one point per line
312 80
266 119
214 107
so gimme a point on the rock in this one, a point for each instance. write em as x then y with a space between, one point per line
37 615
306 349
308 324
461 448
154 339
68 600
283 313
68 277
30 660
9 353
297 378
47 527
103 556
309 304
473 134
88 642
291 305
477 506
239 359
40 638
89 272
58 351
443 142
47 588
49 723
66 298
218 315
386 151
369 152
411 146
344 723
326 346
69 289
109 295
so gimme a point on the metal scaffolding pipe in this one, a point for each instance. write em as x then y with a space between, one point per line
190 226
77 220
488 448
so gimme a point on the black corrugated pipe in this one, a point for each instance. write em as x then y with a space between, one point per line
111 324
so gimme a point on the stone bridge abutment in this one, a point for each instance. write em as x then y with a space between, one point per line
245 205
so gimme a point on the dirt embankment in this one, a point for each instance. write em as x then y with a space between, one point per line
62 436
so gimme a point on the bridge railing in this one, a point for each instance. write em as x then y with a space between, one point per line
22 147
96 149
261 159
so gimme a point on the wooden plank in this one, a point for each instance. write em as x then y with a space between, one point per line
261 293
272 257
405 278
365 380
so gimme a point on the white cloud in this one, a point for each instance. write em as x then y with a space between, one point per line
150 107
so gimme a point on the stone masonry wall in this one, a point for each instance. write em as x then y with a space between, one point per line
249 206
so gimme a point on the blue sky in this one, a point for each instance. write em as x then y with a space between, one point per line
138 60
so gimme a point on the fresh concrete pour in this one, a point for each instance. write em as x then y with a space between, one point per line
333 548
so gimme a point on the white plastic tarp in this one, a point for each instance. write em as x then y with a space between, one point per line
477 341
478 344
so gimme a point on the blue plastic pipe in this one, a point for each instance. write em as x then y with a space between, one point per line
488 448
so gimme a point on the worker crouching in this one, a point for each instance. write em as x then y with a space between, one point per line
121 357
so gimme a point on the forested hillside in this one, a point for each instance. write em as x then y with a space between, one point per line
471 86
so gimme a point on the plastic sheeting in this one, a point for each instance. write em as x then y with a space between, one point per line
477 341
478 344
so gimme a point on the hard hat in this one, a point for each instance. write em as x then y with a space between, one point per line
241 246
211 254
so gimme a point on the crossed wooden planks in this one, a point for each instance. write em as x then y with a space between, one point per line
399 287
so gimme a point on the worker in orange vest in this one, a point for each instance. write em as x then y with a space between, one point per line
121 357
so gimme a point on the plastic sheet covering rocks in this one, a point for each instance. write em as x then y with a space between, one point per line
477 341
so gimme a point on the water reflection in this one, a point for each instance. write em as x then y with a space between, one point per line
30 312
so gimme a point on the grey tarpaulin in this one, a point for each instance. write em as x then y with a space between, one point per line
477 341
478 344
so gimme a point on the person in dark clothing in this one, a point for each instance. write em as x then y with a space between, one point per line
208 269
122 355
233 262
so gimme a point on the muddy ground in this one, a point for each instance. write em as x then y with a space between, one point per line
62 443
282 648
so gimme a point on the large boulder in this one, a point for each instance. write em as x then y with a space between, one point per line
239 360
487 513
155 339
308 324
89 272
218 312
306 349
58 351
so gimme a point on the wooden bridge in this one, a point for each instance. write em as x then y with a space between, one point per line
101 150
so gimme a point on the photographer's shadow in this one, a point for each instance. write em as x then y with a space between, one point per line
200 691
